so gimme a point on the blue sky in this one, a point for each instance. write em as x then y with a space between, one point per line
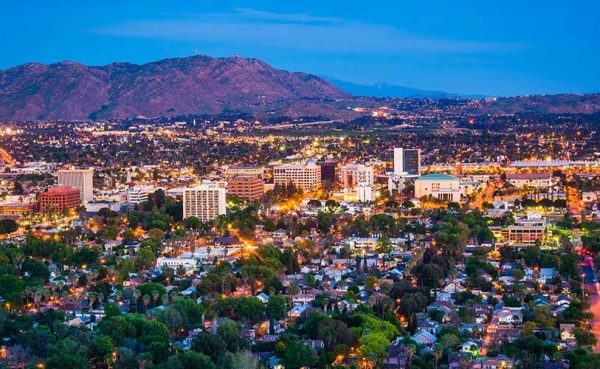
504 47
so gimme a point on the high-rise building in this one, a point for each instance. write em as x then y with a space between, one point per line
205 202
306 177
407 161
246 187
328 170
58 199
353 175
82 179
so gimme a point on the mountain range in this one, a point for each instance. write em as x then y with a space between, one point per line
169 87
206 85
383 89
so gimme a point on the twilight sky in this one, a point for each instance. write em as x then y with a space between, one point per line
505 47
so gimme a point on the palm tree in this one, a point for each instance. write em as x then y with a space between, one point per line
136 298
165 299
155 296
410 350
92 299
100 298
437 353
146 301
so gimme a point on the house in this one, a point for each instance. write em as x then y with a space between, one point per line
423 337
509 315
396 357
566 332
546 274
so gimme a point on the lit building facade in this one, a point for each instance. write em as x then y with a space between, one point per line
204 202
246 187
306 177
82 179
58 199
442 187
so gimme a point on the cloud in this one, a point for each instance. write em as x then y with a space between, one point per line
244 27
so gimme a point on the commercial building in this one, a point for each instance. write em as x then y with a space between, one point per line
354 175
306 177
205 202
139 194
247 187
329 170
58 199
442 187
534 180
407 161
82 179
246 170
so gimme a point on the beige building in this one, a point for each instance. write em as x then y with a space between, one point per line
443 187
81 179
535 180
205 202
306 177
353 175
236 170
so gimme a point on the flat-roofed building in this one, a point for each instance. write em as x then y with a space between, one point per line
247 187
534 180
204 202
442 187
306 177
247 170
354 175
139 194
58 199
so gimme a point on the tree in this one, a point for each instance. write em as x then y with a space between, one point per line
244 360
8 226
373 345
276 307
171 318
190 360
212 345
296 355
249 308
449 341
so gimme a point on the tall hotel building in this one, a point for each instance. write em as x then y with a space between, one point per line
306 177
81 179
204 202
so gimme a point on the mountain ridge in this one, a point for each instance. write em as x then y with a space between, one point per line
198 84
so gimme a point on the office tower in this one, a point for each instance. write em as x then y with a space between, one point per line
204 202
328 170
82 179
58 199
353 175
407 161
246 187
306 177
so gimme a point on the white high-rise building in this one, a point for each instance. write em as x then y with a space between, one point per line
407 162
205 202
306 177
82 179
353 175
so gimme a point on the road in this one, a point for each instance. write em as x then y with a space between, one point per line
595 308
592 287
